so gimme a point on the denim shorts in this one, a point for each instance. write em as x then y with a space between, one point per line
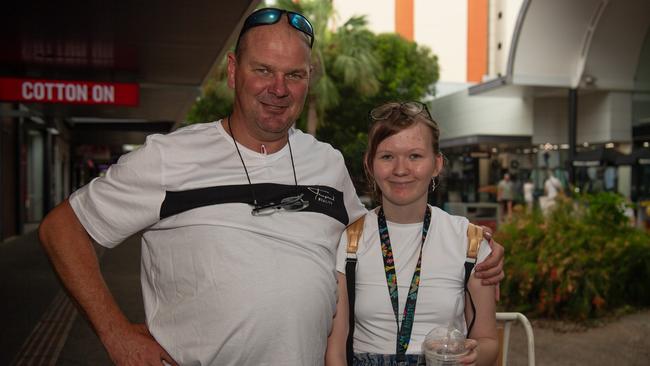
376 359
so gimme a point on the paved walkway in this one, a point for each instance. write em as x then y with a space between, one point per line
624 341
40 326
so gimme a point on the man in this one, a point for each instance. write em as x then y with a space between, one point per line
506 194
241 216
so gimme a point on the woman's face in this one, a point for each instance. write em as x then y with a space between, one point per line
404 165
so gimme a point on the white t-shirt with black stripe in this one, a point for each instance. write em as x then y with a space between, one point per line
220 286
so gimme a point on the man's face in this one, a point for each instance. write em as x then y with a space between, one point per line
270 78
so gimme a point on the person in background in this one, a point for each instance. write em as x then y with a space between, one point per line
241 218
505 195
529 198
552 185
415 250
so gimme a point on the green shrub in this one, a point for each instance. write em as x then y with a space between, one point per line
580 261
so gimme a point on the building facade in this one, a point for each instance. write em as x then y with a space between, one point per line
83 82
528 86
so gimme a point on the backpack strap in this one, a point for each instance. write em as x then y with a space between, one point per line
354 231
474 238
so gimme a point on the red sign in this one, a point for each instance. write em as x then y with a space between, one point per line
68 92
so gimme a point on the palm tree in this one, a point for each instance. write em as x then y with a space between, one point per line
216 99
346 52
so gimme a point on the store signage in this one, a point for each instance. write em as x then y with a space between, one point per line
479 154
586 163
68 92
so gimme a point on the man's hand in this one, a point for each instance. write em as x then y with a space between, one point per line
135 346
69 248
490 271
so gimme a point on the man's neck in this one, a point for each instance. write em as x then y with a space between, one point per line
246 139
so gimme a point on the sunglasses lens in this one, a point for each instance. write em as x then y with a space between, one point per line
263 211
409 109
296 206
266 16
270 16
412 108
383 111
261 17
293 203
302 24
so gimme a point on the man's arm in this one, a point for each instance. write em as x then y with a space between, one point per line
73 257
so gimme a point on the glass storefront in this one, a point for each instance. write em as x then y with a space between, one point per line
34 169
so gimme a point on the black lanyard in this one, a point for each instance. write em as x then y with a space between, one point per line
403 332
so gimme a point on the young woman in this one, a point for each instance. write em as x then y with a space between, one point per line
423 246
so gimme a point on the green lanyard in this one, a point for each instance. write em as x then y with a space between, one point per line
403 332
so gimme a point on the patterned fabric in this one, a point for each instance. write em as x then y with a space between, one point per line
403 332
374 359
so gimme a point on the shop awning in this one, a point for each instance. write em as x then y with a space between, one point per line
163 51
639 156
597 157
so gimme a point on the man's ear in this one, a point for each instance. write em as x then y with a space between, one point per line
232 68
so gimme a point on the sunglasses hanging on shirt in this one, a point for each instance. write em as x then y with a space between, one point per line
291 203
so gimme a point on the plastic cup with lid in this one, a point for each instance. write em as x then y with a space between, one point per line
444 346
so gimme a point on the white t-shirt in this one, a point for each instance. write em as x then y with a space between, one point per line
441 280
529 187
220 286
552 186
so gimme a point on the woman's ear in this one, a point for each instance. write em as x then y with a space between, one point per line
439 162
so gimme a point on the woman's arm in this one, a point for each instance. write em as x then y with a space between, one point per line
484 330
336 342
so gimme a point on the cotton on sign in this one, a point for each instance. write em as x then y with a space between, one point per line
68 92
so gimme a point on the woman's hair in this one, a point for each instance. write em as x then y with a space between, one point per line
389 119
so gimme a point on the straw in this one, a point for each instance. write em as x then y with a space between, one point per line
450 326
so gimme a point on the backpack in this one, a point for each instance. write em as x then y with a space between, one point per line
354 231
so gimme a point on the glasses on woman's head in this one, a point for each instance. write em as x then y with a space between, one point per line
409 109
268 16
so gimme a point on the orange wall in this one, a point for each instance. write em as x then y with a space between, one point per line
477 39
404 18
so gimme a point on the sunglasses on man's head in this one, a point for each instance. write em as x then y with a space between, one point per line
268 16
409 109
